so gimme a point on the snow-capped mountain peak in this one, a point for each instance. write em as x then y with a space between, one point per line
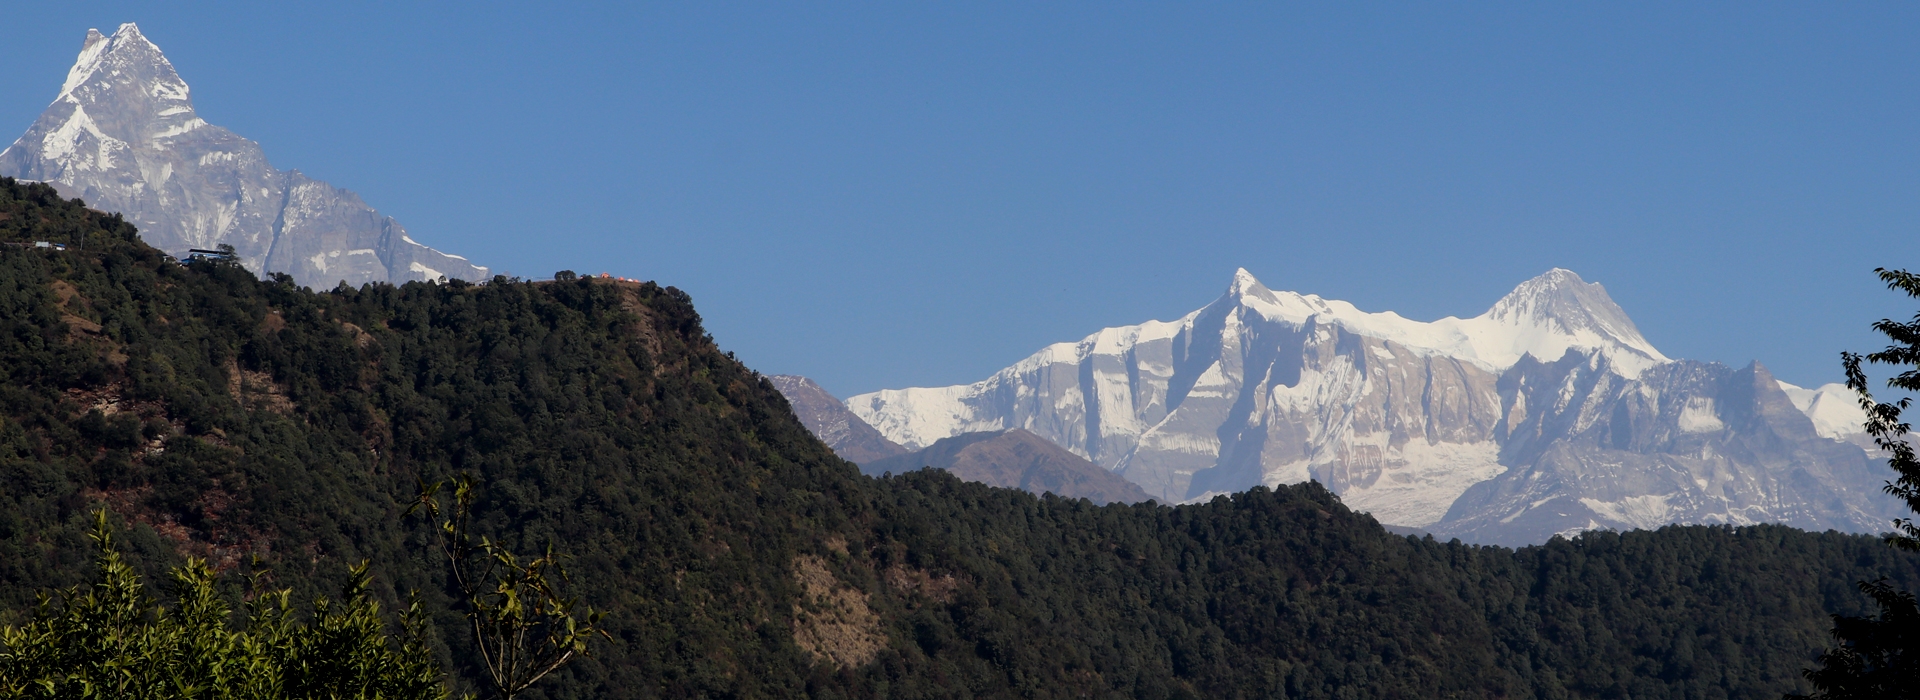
1542 317
1550 411
83 67
1834 409
1243 282
1247 292
1559 300
1557 311
123 135
125 65
1193 357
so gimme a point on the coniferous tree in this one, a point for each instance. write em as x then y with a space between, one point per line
737 557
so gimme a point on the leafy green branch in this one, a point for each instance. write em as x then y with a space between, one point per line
111 640
1879 657
1883 418
522 624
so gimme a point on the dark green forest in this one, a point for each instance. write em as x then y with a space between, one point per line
267 427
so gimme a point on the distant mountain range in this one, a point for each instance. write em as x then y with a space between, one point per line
257 428
828 419
1015 459
123 135
1548 414
1006 458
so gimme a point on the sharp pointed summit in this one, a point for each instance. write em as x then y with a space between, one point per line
1469 426
1568 304
1547 315
1244 283
1543 317
123 135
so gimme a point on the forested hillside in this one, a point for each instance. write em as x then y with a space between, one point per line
227 417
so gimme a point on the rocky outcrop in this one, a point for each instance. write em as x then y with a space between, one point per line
1686 442
123 135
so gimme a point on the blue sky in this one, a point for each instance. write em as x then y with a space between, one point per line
893 194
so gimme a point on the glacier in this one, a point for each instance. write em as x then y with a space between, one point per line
1408 419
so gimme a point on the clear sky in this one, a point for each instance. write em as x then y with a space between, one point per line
910 194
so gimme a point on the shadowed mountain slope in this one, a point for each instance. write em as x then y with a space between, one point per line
828 419
1016 459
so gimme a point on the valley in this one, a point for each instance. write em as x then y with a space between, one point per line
1276 495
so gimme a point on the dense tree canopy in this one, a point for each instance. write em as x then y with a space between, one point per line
229 417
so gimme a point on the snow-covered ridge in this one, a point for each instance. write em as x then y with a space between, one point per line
1549 413
1834 408
126 54
83 67
122 134
1543 317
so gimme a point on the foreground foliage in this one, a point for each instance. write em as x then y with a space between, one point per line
1884 418
735 556
1879 656
1876 659
111 640
523 626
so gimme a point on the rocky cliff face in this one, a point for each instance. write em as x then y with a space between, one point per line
830 421
123 135
1685 442
1449 426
